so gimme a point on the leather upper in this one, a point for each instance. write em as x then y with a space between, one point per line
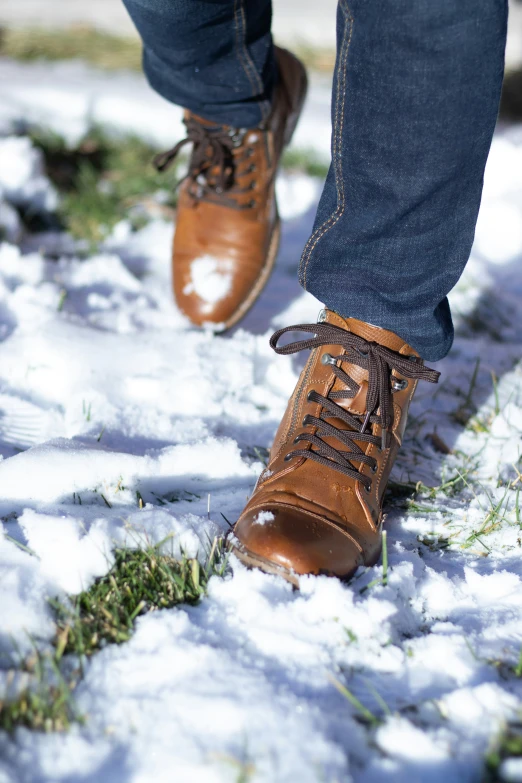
324 521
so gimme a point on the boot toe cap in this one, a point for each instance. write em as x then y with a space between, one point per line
296 540
220 293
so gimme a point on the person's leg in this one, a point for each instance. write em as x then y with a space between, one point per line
416 93
415 100
242 97
214 57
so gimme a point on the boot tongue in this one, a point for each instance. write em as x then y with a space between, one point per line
359 374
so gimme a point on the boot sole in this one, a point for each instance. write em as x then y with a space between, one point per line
275 239
267 566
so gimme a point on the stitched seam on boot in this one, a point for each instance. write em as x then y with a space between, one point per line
337 154
297 400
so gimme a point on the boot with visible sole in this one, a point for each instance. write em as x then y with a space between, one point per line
227 225
317 507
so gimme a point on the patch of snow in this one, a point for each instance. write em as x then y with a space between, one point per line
22 181
263 517
10 223
506 244
296 194
210 279
511 770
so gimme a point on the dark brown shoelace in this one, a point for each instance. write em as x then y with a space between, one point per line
216 163
379 361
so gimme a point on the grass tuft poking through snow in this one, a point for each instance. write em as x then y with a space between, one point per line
46 702
504 762
103 180
140 581
81 41
306 161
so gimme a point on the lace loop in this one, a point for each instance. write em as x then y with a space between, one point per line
380 362
214 163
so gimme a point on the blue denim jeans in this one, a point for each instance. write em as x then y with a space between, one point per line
415 100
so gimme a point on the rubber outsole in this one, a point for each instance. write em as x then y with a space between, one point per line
256 561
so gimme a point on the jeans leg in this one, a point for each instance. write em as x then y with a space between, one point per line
214 57
416 92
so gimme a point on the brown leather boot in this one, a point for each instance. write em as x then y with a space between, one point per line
227 225
317 507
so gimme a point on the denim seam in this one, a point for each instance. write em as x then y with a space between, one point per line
249 68
337 147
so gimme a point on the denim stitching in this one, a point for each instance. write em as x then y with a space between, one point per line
240 44
247 55
337 149
264 106
244 56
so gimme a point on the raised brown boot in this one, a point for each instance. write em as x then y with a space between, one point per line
227 225
317 507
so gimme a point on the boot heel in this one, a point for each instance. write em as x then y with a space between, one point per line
296 112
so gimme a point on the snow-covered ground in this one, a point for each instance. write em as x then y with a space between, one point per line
106 390
70 97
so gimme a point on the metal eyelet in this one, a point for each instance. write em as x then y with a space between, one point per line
399 384
308 396
288 457
237 135
251 204
367 488
362 353
327 358
253 185
374 468
252 168
297 440
304 423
